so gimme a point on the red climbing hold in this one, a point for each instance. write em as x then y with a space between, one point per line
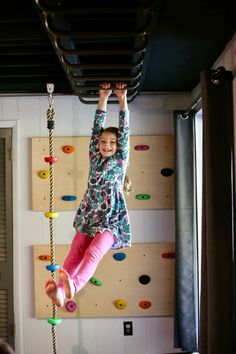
145 304
50 159
169 255
142 147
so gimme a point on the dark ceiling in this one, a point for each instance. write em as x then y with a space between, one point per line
154 46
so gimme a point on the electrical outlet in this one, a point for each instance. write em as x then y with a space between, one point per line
128 328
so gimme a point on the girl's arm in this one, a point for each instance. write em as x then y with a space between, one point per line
98 123
99 119
121 94
123 137
104 94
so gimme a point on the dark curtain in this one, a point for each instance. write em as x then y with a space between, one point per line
186 289
217 315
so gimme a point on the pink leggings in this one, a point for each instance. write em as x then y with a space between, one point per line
84 255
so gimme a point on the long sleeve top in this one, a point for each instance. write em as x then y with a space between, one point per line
103 206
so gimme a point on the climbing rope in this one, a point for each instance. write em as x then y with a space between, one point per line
54 320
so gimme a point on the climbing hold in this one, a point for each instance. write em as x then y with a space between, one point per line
51 215
95 281
68 198
119 256
52 267
120 304
68 149
168 255
43 174
142 196
142 147
167 172
71 306
54 321
50 159
45 258
144 279
145 304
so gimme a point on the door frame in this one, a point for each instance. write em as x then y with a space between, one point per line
17 273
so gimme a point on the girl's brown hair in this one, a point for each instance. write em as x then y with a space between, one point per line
113 130
127 185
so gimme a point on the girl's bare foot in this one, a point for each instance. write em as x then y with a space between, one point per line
67 283
54 293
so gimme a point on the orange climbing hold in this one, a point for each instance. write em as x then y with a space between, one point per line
68 149
45 257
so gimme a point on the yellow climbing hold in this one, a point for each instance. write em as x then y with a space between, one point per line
120 304
43 174
51 215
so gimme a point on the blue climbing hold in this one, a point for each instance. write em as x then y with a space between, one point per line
68 198
119 256
52 267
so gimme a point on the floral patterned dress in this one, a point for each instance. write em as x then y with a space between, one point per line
103 206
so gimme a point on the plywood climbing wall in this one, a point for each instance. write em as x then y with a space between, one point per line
145 275
150 170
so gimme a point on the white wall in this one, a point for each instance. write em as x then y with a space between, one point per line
150 115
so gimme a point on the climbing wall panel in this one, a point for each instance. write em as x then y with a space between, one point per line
145 277
150 170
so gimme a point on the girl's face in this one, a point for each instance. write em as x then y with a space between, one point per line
107 144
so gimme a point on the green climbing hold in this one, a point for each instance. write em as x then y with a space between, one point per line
142 196
54 321
95 281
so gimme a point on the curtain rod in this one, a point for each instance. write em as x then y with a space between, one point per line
216 75
195 104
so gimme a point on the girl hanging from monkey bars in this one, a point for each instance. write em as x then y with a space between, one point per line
102 220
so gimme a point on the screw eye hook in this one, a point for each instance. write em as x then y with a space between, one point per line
50 89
